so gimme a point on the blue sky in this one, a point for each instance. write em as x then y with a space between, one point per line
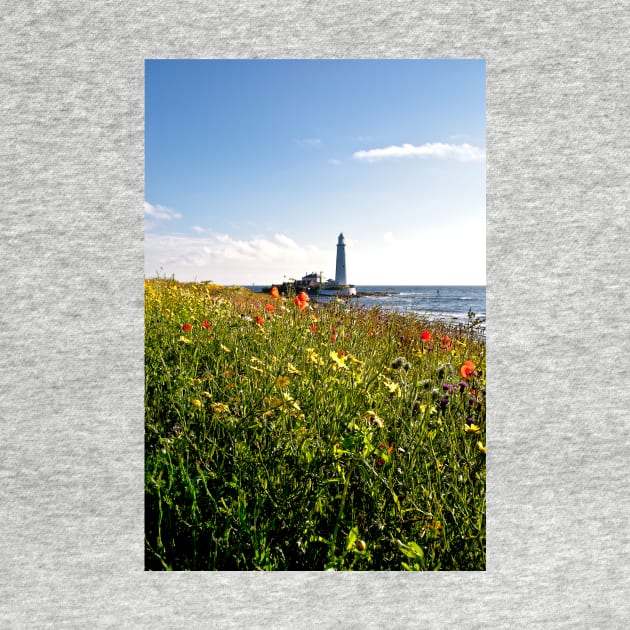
253 167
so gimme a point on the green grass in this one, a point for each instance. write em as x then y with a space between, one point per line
269 446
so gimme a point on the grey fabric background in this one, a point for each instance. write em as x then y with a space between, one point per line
71 329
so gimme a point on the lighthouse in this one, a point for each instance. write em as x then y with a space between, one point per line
340 269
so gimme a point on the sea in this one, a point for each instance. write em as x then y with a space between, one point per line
451 304
445 303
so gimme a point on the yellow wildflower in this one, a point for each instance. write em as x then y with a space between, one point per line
185 340
434 526
196 402
292 369
290 401
471 428
392 388
274 401
355 360
313 357
339 361
481 447
218 407
282 381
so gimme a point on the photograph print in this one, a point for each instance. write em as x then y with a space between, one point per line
315 315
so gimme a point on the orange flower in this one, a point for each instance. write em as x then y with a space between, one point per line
270 307
186 327
314 328
426 336
446 342
274 292
301 300
467 369
259 320
206 325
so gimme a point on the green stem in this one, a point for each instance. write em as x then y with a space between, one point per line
333 546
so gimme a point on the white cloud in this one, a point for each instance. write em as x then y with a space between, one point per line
334 162
286 241
460 152
449 254
227 260
160 213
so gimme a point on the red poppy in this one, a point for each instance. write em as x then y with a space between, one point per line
274 292
446 341
270 307
314 328
333 338
259 320
186 327
206 325
426 336
467 369
301 300
334 330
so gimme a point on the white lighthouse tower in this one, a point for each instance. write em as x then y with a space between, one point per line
341 281
340 269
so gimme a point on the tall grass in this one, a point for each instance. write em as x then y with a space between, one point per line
282 438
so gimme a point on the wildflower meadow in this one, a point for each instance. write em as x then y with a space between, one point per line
286 435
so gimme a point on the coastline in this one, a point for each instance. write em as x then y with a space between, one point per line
452 305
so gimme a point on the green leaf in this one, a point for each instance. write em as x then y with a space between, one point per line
353 536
